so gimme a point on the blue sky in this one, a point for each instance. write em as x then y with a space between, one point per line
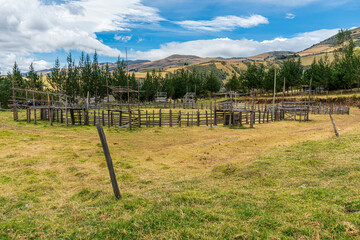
38 31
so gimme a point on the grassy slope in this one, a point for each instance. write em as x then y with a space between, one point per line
279 180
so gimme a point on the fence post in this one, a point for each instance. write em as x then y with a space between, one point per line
103 118
240 119
160 117
139 118
108 161
153 118
35 120
207 121
170 118
130 119
251 119
211 114
188 115
94 118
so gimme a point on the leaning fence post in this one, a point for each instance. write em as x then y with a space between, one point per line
332 121
108 161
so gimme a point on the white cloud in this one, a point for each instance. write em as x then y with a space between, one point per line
121 38
29 26
289 3
225 47
224 23
290 16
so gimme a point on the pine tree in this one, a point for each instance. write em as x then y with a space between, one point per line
212 83
34 81
54 78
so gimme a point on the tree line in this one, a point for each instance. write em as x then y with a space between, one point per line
88 77
341 73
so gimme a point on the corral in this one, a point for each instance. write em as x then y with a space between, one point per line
55 107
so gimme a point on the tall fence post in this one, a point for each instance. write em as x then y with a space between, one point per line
108 161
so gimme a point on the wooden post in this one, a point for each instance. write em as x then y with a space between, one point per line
153 118
211 115
198 118
170 118
192 118
120 118
147 120
130 119
240 119
79 114
112 118
188 115
333 123
215 116
108 161
179 121
84 116
207 121
108 118
251 119
160 117
94 118
103 118
274 95
139 118
66 113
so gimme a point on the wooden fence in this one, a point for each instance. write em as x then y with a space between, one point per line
151 118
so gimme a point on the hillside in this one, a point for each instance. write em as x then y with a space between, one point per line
319 50
226 67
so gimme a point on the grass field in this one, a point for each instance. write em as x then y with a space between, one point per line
280 180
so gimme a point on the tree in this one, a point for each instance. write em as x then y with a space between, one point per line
292 71
18 79
34 81
212 83
233 84
5 91
54 78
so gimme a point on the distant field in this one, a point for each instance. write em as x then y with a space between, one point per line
282 180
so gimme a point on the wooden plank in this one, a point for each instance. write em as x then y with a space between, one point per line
108 161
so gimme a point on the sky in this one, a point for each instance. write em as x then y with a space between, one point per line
39 31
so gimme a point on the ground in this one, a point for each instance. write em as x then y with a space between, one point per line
278 180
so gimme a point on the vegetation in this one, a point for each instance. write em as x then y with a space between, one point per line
88 77
193 183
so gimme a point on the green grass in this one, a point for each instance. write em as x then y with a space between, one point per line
54 184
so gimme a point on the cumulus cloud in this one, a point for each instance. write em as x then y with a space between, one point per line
290 16
225 47
224 23
29 26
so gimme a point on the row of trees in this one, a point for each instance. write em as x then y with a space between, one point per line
90 77
341 73
31 81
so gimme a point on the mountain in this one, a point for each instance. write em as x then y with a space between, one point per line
319 50
226 67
